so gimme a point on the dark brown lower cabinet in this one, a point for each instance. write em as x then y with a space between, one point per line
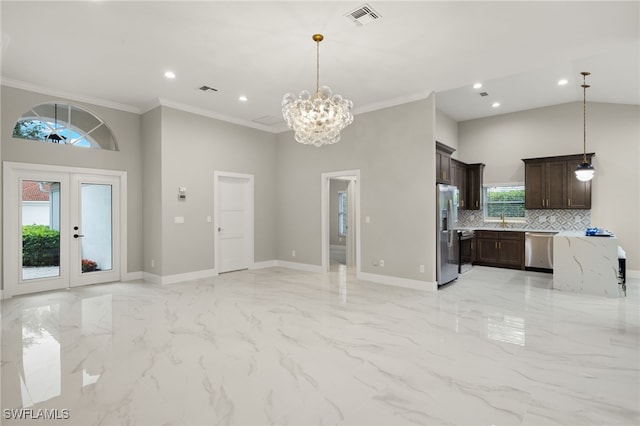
504 249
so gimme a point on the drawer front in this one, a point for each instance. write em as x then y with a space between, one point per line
492 235
512 235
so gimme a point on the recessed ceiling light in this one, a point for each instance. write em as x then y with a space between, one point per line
477 85
170 74
562 82
242 98
495 104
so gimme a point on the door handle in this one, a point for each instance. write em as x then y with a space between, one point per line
220 229
77 236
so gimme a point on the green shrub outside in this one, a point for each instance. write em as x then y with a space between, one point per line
40 246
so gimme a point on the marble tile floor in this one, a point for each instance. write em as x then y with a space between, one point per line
277 346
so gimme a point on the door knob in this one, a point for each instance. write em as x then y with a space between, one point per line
220 229
77 236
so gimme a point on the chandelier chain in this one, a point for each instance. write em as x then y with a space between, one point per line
317 66
584 117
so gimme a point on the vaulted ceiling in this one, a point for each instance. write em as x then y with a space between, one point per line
116 53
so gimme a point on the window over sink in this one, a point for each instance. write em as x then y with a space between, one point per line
504 201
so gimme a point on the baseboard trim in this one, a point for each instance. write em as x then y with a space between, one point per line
398 282
264 264
152 278
300 266
130 276
178 278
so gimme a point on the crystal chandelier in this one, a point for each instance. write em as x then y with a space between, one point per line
585 170
318 119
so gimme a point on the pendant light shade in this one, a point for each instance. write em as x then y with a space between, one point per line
585 170
318 119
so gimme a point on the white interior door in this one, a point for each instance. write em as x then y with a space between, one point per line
62 229
234 222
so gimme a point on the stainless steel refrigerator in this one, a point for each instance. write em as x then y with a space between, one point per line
447 239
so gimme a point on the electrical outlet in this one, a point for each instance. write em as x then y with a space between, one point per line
293 253
422 268
381 262
153 263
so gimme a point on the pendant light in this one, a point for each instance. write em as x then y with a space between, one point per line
318 119
585 170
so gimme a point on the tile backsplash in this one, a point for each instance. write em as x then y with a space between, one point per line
557 220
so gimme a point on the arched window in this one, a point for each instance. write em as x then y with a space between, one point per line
65 124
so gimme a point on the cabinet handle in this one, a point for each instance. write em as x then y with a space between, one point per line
569 201
477 203
461 203
496 244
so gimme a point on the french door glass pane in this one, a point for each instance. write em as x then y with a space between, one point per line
40 229
96 239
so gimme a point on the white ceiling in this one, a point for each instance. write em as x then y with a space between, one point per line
114 53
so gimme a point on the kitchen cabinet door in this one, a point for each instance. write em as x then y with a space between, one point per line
487 251
443 163
459 179
511 253
443 167
556 181
535 189
578 192
474 186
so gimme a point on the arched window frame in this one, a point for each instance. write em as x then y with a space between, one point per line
61 125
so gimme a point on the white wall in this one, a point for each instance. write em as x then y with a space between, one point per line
192 147
394 149
613 133
151 196
447 131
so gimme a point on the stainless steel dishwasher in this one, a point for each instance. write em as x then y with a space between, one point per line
538 250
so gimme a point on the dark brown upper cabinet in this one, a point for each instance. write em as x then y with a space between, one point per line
550 183
443 163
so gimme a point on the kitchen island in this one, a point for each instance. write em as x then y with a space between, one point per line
584 264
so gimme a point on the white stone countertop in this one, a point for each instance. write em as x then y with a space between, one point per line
581 234
487 228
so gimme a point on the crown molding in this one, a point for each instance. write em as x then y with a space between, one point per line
17 84
210 114
391 103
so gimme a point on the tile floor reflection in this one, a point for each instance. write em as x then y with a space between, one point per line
277 346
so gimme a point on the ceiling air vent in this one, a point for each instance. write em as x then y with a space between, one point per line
207 88
363 15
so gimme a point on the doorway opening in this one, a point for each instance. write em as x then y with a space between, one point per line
340 220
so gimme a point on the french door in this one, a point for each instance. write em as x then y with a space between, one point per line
62 228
